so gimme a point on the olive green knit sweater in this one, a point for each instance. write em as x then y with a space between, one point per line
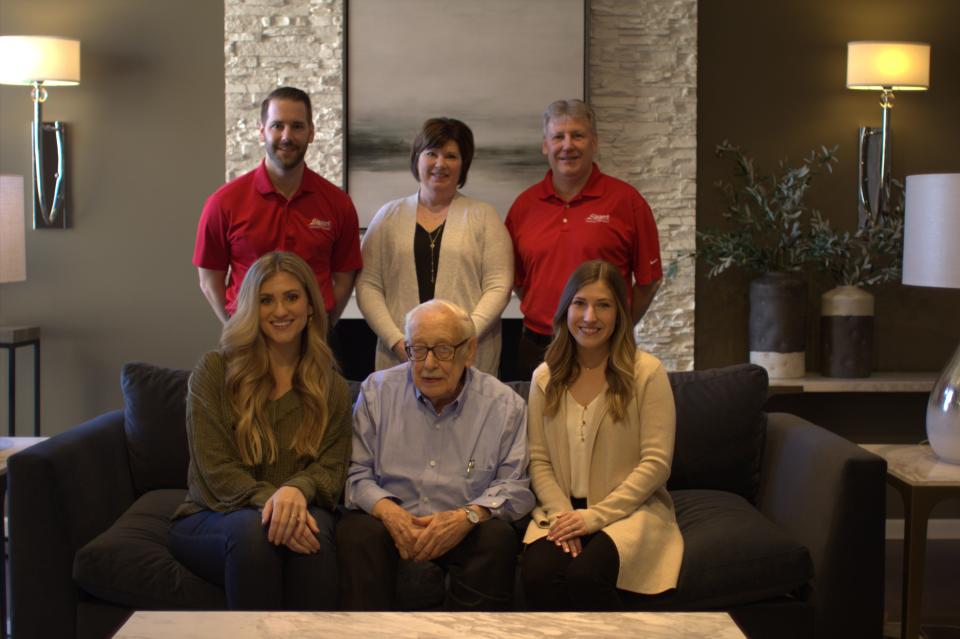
217 478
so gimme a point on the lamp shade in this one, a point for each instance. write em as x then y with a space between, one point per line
899 66
13 263
29 59
931 233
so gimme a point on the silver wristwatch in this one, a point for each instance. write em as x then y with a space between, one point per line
472 515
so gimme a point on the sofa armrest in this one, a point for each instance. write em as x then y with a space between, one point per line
63 492
830 495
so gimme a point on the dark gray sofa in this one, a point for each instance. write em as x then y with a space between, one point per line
783 521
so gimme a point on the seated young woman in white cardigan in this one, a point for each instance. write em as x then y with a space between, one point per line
601 428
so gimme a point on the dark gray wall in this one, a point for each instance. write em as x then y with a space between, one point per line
771 78
146 129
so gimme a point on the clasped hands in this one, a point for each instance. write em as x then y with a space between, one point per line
422 538
291 524
566 531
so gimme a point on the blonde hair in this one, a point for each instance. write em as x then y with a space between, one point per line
561 355
249 381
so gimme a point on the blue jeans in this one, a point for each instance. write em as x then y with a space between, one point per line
231 550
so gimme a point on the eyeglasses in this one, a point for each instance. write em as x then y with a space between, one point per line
442 351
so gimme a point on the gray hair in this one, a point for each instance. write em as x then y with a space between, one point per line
577 109
467 329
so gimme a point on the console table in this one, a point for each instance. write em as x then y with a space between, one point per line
923 481
880 382
12 338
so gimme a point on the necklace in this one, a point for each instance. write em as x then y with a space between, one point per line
433 237
599 364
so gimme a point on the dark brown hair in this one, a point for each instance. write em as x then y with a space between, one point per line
286 93
436 132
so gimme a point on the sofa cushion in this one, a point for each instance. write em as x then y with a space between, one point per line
154 418
130 564
720 429
732 555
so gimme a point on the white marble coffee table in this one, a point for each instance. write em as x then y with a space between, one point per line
427 625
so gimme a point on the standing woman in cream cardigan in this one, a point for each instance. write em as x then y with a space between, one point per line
436 243
601 428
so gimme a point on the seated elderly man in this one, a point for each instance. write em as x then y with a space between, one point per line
439 468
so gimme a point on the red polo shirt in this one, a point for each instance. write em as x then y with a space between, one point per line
247 217
607 220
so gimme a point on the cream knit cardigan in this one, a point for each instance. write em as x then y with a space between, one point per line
475 271
629 466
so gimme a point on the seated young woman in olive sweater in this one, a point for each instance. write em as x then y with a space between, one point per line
269 430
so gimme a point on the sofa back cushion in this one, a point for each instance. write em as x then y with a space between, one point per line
720 429
155 411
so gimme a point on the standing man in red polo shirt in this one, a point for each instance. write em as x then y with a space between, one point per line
279 206
576 214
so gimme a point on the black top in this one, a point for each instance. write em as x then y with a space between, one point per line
427 259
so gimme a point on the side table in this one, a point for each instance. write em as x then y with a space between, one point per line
12 338
8 446
923 481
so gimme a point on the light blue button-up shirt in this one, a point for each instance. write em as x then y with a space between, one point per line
474 452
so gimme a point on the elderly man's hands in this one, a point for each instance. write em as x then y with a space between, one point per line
400 524
442 531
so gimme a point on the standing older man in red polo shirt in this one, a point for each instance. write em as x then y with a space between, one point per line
279 206
576 214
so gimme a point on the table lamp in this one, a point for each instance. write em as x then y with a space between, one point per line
13 260
931 257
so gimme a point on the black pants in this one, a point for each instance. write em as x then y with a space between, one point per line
481 568
231 550
530 350
553 580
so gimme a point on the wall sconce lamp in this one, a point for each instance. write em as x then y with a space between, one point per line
884 67
40 62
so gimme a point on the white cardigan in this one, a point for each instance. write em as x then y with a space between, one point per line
475 271
629 466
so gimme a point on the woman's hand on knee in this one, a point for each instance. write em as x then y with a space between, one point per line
304 539
568 525
286 511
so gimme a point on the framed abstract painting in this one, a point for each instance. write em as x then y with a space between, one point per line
494 64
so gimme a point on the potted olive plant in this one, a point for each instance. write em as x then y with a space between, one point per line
767 234
869 256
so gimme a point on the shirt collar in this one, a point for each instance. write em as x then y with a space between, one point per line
261 180
593 187
454 407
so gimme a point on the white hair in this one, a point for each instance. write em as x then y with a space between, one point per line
467 329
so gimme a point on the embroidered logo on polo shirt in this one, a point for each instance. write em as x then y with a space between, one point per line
319 224
597 218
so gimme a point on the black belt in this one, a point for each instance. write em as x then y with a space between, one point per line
537 338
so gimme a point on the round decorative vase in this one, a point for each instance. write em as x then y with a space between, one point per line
777 328
846 332
943 413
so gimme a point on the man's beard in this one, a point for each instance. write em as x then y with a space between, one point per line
289 163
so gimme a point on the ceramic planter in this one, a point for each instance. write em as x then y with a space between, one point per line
846 332
777 331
